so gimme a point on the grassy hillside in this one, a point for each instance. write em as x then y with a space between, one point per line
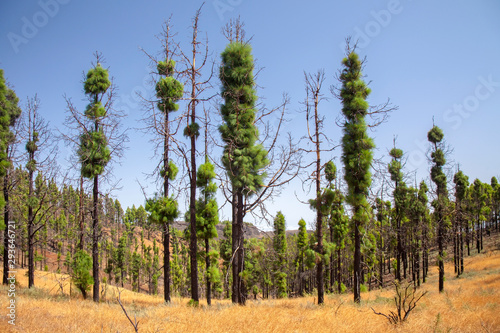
469 304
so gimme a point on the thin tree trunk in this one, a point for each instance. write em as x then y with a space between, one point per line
240 253
478 235
319 215
461 246
234 244
440 252
207 263
332 267
166 262
339 271
193 248
357 263
81 217
95 240
6 231
166 227
31 236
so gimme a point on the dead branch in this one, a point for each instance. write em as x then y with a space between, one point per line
134 323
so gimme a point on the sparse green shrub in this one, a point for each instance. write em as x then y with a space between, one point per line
81 267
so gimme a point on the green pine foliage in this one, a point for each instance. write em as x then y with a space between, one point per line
9 113
441 203
162 210
280 248
81 265
168 89
400 195
357 153
93 152
253 274
243 158
207 216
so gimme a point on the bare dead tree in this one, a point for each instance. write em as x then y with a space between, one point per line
314 96
198 88
41 153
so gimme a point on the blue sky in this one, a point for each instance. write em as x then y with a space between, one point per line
431 58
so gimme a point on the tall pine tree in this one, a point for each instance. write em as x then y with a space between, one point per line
95 155
243 158
357 153
207 216
279 245
440 204
9 113
168 90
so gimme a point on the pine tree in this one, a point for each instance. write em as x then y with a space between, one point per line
252 275
242 158
495 201
207 215
280 248
400 195
357 153
94 153
81 265
226 254
121 259
440 204
382 221
302 244
425 222
169 90
9 113
461 184
480 209
163 210
338 221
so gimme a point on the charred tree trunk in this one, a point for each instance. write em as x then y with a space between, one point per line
6 237
234 244
440 251
95 240
31 232
339 271
207 264
81 217
166 226
357 263
240 253
166 262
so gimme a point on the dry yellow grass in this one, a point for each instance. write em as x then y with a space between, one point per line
469 304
